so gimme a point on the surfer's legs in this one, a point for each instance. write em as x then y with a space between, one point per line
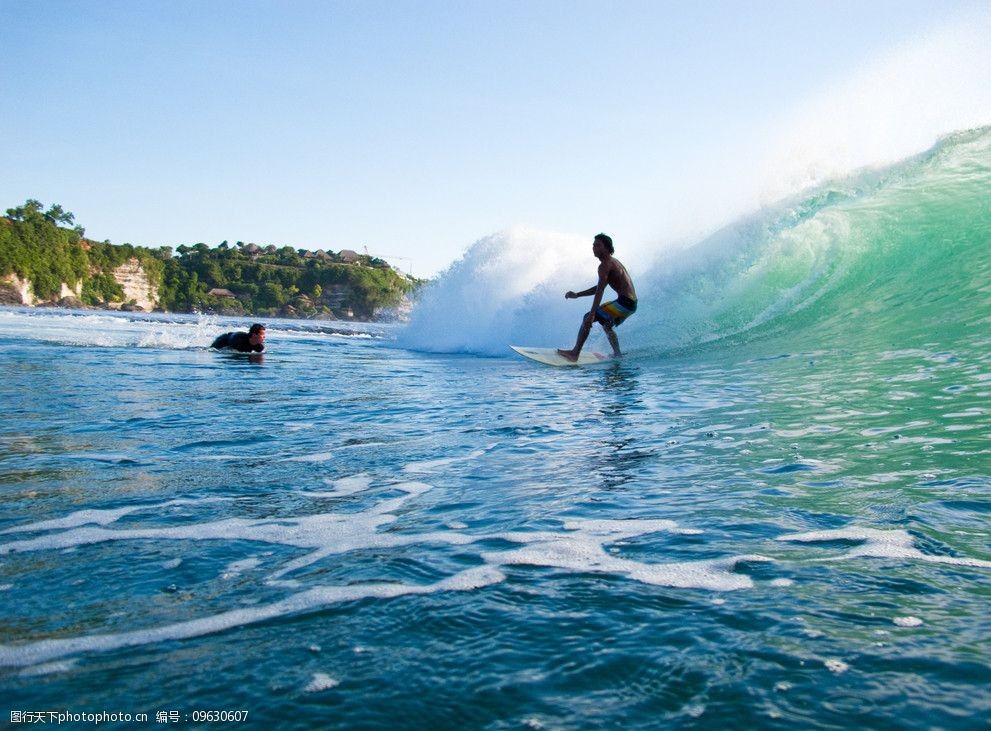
613 339
583 332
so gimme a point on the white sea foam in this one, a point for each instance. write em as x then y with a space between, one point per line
316 457
294 426
583 549
694 710
837 666
438 464
344 486
876 543
236 568
320 682
102 517
907 621
579 548
32 653
309 531
48 668
618 529
579 555
580 545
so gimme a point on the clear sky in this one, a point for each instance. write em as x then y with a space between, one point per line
412 127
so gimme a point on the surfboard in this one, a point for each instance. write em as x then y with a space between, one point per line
549 356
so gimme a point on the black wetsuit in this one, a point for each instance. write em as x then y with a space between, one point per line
237 341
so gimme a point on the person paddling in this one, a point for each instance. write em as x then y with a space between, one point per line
611 314
243 342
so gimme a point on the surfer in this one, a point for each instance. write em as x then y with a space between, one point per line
611 314
243 342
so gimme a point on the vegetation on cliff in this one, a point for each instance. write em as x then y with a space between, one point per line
239 279
33 246
270 280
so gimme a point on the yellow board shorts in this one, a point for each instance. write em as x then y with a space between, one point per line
615 312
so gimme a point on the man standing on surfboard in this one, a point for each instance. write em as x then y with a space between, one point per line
611 314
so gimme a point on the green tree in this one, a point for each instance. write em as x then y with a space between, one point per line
272 294
30 208
57 215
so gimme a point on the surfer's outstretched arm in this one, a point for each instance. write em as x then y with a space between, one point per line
569 295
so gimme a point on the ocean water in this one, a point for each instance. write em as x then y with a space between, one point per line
772 513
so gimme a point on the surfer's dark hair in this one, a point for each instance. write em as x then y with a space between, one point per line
605 240
256 328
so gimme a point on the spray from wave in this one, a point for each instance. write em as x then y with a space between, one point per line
895 106
507 289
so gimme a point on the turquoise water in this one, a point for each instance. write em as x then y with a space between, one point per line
774 513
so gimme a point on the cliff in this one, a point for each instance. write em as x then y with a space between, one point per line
15 291
138 290
137 287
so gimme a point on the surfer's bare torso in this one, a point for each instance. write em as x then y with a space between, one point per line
613 273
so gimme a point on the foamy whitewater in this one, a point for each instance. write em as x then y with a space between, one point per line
772 513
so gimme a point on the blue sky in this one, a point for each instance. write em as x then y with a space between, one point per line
414 128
